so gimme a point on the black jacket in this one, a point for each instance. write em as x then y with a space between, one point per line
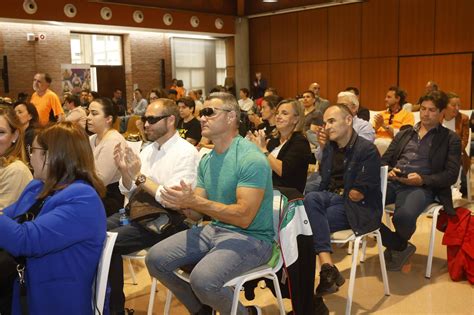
362 173
445 160
295 156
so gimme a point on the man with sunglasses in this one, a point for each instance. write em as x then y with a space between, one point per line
234 188
389 122
165 162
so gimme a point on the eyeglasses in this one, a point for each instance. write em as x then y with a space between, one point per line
153 119
30 149
210 111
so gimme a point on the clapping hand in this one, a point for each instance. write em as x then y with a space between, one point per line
127 161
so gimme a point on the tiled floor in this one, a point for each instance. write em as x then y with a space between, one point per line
411 292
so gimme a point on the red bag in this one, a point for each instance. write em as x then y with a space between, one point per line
459 239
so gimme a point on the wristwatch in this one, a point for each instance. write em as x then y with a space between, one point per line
141 179
267 153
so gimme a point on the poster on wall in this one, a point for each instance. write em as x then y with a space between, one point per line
76 77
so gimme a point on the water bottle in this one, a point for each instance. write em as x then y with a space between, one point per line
124 220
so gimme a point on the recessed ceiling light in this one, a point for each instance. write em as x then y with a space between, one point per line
270 0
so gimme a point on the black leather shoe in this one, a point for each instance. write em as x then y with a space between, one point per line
329 280
205 310
319 307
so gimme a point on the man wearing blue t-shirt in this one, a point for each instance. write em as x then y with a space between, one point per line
234 188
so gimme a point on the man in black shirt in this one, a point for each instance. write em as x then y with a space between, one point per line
349 196
423 162
189 127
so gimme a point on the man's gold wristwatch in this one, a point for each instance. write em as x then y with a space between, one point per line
141 179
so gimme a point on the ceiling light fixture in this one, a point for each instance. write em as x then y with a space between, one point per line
270 0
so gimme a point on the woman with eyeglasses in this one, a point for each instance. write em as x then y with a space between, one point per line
288 151
102 115
57 226
14 174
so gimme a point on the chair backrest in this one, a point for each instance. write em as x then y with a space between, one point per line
383 183
100 283
131 125
416 116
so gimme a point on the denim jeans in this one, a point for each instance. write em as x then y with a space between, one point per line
312 183
220 254
130 238
326 214
410 201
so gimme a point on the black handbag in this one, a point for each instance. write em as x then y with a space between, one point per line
150 214
29 215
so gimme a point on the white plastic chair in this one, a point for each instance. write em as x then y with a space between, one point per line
100 283
348 236
432 210
264 271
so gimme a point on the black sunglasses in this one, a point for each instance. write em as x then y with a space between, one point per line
153 119
210 111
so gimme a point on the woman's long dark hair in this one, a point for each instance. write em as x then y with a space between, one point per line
69 157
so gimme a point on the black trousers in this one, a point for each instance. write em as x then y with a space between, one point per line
7 276
130 238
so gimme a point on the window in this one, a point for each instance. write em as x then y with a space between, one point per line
200 63
96 49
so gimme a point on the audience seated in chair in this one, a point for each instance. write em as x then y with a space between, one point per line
349 196
454 120
288 151
235 189
362 127
166 161
63 242
101 117
423 163
14 172
389 122
189 126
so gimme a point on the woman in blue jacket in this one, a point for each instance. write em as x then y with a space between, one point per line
63 244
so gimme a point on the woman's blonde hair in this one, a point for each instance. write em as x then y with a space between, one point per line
17 150
298 108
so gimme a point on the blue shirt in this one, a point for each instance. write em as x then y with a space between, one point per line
415 157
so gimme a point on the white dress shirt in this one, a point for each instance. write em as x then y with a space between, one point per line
167 165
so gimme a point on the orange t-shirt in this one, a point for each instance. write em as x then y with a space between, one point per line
400 119
44 104
181 92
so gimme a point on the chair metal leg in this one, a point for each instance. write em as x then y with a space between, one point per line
349 247
151 301
235 300
350 291
383 267
132 271
364 248
429 263
169 296
276 285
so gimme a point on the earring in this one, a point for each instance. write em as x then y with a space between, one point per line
14 141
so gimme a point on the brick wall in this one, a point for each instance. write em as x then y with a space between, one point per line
26 58
142 54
